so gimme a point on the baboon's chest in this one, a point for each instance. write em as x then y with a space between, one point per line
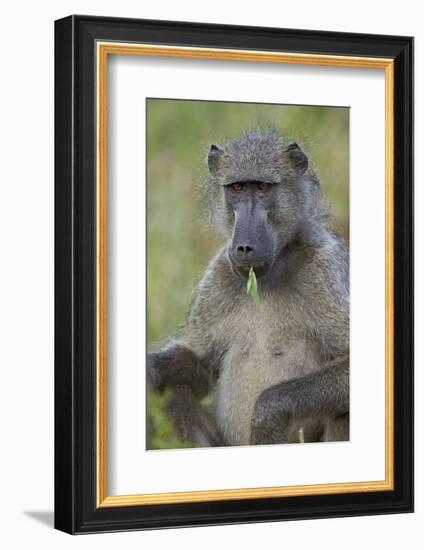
264 353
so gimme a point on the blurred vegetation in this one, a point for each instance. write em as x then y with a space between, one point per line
179 240
160 430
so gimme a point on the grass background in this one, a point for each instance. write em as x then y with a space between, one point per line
179 240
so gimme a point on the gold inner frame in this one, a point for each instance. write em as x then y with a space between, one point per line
103 50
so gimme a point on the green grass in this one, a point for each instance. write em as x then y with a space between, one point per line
160 428
252 288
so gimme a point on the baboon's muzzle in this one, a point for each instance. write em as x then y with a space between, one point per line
252 244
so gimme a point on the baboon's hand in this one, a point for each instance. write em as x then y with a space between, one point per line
275 421
297 410
176 365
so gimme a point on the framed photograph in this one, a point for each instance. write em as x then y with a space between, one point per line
234 269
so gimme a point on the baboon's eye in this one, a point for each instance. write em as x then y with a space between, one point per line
237 187
263 186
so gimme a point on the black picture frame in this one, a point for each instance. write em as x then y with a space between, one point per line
76 509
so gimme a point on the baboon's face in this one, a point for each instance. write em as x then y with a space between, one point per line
253 242
258 198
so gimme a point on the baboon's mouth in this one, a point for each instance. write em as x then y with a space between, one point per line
243 270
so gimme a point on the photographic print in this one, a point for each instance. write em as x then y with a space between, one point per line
247 273
233 265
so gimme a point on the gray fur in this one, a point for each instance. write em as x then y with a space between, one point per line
285 366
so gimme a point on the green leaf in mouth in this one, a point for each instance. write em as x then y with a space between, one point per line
252 288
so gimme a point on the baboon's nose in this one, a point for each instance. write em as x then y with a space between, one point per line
244 250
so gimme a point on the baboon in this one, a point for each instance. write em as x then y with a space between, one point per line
279 373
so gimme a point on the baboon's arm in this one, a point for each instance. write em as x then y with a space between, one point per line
179 368
303 408
191 420
177 365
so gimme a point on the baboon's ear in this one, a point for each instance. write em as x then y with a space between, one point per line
297 157
214 156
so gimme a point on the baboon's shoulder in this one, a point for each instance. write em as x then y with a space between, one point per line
326 263
325 293
215 291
